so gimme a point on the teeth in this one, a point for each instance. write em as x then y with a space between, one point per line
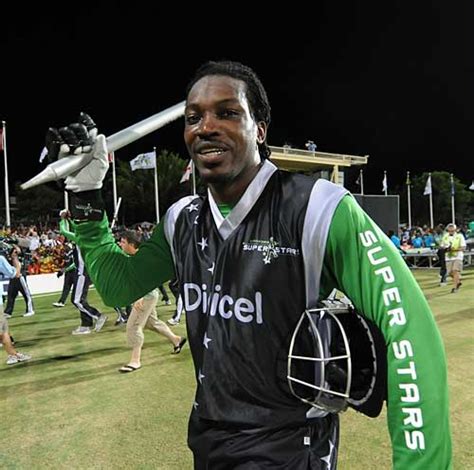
206 151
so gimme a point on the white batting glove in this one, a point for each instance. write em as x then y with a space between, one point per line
91 176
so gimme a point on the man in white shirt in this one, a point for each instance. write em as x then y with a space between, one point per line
455 244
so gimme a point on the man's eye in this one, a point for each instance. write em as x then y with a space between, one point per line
226 113
192 119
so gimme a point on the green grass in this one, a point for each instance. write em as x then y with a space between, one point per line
70 408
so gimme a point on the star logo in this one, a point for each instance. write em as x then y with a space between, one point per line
327 458
192 207
203 243
196 220
200 376
195 405
206 341
270 251
211 269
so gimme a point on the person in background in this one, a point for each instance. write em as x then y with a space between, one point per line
81 284
176 318
19 284
454 244
144 314
395 239
69 272
10 271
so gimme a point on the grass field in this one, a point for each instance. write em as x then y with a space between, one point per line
70 408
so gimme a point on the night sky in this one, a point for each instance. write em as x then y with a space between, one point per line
393 80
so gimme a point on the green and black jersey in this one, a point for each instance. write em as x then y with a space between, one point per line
246 278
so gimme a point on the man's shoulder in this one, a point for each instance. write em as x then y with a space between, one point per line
309 181
187 205
183 203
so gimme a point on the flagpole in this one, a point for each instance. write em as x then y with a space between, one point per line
452 200
431 202
114 181
115 218
157 202
409 198
361 182
7 194
385 179
194 178
66 200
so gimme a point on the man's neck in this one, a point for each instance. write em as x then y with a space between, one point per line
231 192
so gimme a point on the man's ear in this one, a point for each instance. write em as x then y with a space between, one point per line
261 132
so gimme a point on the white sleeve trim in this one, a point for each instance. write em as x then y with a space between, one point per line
323 201
169 222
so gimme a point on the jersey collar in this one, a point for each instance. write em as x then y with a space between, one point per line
243 207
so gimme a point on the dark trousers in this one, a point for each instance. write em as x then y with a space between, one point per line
174 288
79 299
123 312
164 294
442 264
18 284
69 277
219 447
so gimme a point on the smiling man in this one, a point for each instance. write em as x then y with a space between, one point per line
253 253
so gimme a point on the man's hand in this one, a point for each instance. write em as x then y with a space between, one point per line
90 177
80 137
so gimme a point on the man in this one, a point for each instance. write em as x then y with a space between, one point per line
18 284
69 272
441 252
258 249
454 245
7 271
80 288
144 314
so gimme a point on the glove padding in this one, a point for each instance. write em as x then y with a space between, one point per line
74 139
80 137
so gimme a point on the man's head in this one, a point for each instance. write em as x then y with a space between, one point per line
227 116
130 242
451 229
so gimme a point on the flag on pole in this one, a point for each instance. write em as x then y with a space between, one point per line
144 161
358 180
384 182
110 157
427 190
187 172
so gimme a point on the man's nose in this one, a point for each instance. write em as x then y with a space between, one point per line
208 124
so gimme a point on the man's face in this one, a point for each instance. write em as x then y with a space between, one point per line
220 132
127 247
451 230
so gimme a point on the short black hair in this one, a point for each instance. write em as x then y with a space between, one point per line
256 94
132 237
